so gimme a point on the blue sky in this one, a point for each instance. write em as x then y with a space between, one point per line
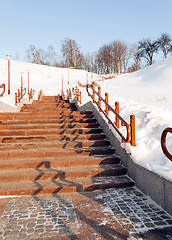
91 23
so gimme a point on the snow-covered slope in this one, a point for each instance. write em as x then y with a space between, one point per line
146 93
49 79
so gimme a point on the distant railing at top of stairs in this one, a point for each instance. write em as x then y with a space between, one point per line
163 142
19 95
3 89
130 127
40 95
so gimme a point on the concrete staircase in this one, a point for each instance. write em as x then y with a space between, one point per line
50 147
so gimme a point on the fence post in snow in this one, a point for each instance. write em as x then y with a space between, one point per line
132 127
8 58
21 81
117 111
28 80
93 85
99 92
107 100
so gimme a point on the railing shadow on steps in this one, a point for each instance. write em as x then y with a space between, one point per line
163 143
3 89
130 127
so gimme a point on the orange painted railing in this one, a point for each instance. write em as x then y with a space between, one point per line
19 95
130 128
163 142
31 94
63 95
77 94
3 91
69 94
40 95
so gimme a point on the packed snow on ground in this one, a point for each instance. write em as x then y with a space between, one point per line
145 93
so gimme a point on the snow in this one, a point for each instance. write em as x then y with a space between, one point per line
145 93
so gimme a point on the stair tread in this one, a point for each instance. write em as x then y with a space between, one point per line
54 149
53 143
64 169
52 130
82 183
60 159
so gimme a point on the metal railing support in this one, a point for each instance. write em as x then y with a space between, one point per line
163 143
117 111
3 91
99 101
130 128
106 106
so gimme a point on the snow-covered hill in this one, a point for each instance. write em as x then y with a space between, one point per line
146 93
49 79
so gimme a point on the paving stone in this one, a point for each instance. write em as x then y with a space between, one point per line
56 215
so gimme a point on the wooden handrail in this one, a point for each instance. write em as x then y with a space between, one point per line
40 95
163 143
19 95
130 128
77 94
31 94
2 86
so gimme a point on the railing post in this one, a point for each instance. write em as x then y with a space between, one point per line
28 81
117 111
80 98
8 57
99 101
107 100
87 89
18 95
21 82
70 97
93 91
15 99
132 127
77 94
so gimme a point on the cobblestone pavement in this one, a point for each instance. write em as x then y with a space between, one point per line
125 214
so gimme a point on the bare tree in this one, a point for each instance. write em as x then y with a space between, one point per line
31 53
51 55
71 53
165 44
147 49
104 59
119 51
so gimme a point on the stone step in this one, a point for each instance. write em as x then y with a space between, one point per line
54 103
63 173
49 147
39 115
28 132
53 144
50 126
61 186
57 162
45 109
47 153
48 121
41 138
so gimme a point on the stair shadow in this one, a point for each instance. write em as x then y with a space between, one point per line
58 175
